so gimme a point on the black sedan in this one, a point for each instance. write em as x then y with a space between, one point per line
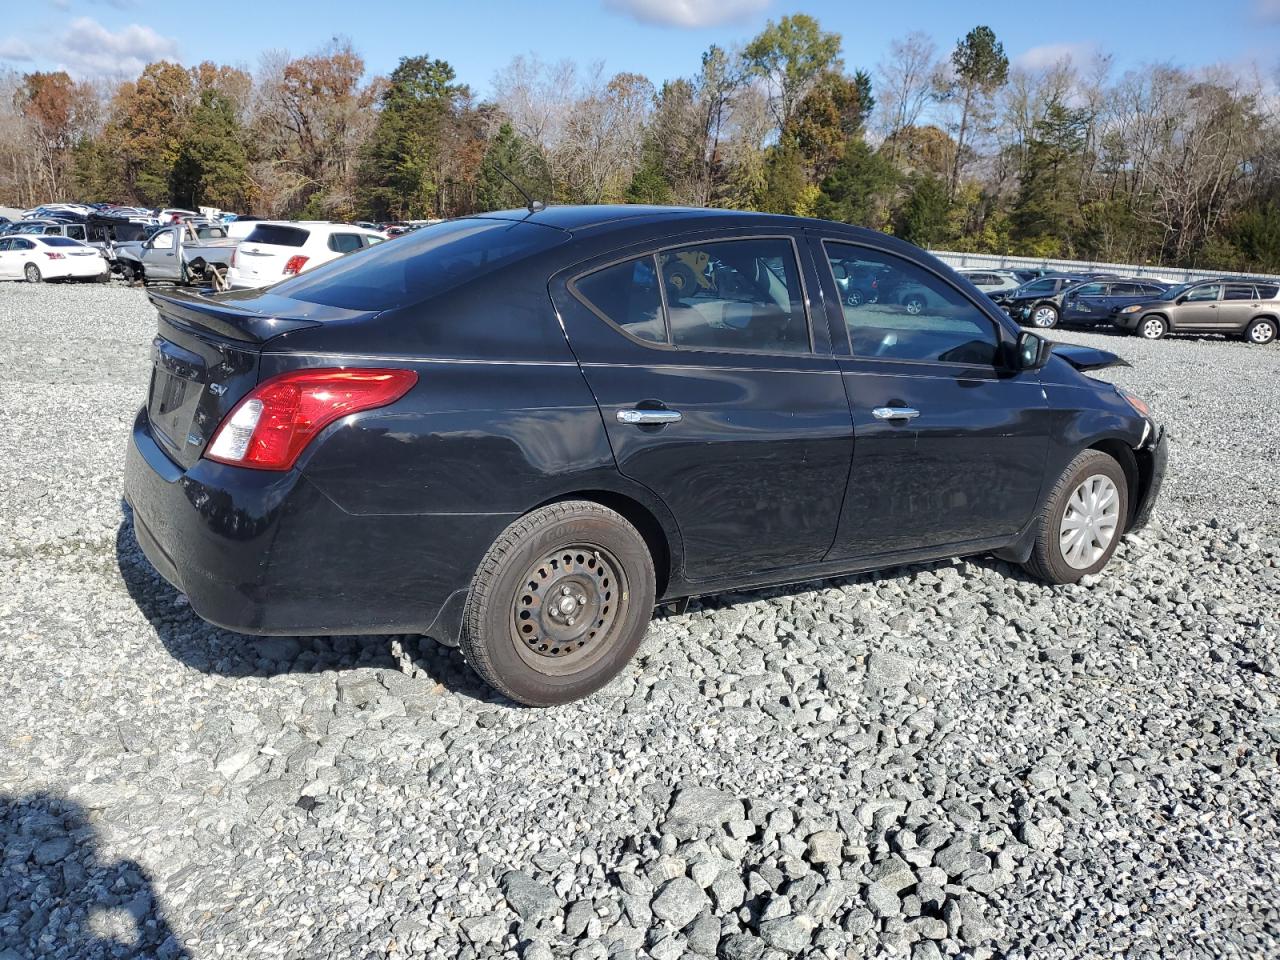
518 432
1022 303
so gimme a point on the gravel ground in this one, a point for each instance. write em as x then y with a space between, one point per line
934 761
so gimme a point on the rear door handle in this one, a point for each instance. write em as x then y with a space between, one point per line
895 413
649 416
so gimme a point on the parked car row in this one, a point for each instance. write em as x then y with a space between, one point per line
1147 307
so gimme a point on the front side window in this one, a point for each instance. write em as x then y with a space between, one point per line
163 241
344 242
1038 287
1091 290
1202 294
914 316
735 295
627 295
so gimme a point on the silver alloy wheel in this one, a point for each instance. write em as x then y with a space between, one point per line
32 273
1153 329
1090 522
1044 317
914 305
1262 332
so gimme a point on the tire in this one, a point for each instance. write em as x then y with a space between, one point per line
520 643
32 273
914 304
1044 316
1262 331
1151 328
1055 557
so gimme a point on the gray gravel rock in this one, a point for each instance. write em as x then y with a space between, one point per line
1064 771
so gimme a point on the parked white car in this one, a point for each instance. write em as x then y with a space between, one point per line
274 250
989 281
34 258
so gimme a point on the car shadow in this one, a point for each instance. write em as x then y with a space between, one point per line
59 896
211 649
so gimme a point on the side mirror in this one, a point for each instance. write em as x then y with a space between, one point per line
1032 351
1180 301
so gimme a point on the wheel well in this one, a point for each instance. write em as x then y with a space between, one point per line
640 517
1123 454
1262 316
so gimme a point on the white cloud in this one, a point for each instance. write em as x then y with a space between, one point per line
1051 54
88 49
14 49
687 13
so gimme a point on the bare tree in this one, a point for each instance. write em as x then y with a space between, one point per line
904 85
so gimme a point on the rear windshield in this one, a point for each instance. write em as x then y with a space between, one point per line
277 235
421 264
60 242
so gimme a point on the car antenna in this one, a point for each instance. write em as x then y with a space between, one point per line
533 205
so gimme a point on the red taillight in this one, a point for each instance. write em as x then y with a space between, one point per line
54 256
270 427
294 266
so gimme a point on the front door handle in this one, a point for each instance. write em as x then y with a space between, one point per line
895 413
649 416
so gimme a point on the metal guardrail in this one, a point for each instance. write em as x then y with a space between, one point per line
995 261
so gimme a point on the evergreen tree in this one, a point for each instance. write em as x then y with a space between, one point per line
212 166
857 190
510 154
923 218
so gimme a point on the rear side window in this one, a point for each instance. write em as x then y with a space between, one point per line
1092 290
344 242
626 294
278 235
423 264
735 295
1238 291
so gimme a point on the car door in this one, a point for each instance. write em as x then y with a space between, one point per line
1197 309
949 445
1086 302
1239 305
159 255
717 394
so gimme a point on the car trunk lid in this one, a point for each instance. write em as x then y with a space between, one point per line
205 358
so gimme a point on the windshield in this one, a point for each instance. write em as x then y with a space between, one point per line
419 265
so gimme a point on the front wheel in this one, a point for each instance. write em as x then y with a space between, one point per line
1261 331
1082 519
32 273
1044 316
1152 328
559 604
915 304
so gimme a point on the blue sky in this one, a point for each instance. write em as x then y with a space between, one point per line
659 38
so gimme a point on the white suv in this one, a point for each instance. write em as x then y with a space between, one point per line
274 250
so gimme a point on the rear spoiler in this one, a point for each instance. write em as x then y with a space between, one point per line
251 316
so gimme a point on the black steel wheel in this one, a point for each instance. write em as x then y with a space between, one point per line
559 604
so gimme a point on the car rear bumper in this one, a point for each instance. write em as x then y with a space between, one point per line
75 268
262 552
1153 462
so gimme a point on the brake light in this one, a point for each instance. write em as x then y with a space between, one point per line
271 426
54 256
294 266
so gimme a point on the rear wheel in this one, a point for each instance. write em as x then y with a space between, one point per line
914 303
32 273
559 604
1152 328
1082 519
1262 330
1045 316
854 297
681 281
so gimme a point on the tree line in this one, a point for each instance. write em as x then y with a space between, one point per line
948 148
